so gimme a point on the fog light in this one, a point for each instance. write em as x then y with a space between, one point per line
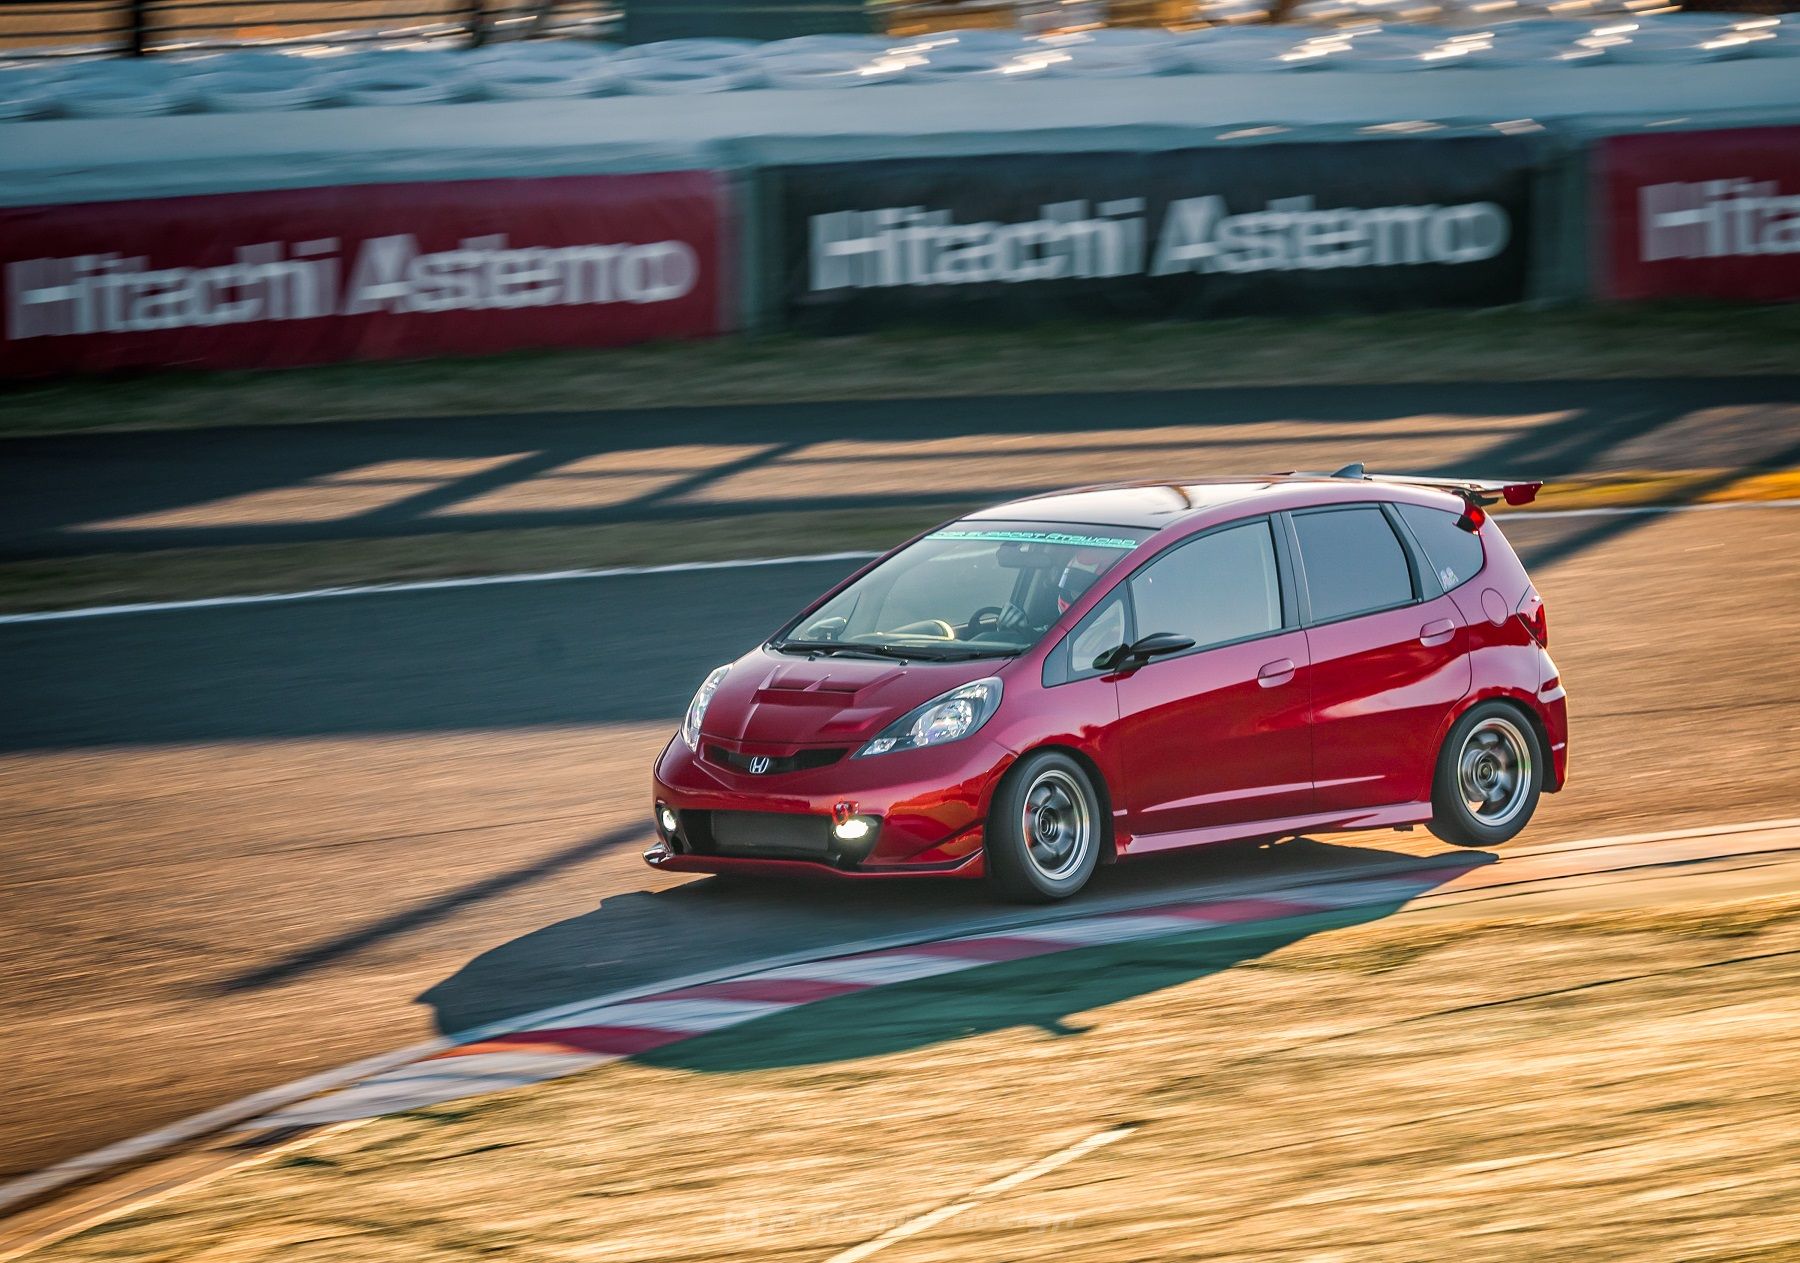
855 829
666 818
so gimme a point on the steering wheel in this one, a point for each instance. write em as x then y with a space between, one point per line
997 615
934 627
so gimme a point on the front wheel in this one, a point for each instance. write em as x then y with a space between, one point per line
1043 831
1490 775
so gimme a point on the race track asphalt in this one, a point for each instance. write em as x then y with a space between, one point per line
243 844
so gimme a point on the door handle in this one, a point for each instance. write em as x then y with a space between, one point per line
1437 633
1275 673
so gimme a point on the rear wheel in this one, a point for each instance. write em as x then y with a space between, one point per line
1043 831
1490 775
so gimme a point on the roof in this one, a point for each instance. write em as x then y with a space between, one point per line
1143 504
1155 505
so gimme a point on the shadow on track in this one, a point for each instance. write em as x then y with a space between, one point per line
74 494
708 924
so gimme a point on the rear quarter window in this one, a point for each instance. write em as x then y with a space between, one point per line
1455 555
1353 561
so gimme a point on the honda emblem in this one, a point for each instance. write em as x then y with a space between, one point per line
759 765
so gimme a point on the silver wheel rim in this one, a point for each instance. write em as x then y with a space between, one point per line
1057 826
1493 772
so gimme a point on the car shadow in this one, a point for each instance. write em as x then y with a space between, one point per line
707 925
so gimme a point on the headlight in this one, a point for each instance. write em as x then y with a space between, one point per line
696 711
948 718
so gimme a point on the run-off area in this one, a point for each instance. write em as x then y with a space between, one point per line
1542 1076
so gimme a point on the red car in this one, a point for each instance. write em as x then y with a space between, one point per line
1074 679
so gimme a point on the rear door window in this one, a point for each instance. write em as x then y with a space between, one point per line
1353 562
1455 554
1219 588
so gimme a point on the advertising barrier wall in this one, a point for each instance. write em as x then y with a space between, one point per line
1708 214
305 276
1299 228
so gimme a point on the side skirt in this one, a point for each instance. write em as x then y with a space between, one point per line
1273 830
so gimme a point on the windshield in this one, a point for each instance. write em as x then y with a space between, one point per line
972 589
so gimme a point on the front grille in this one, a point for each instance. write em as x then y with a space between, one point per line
804 761
770 833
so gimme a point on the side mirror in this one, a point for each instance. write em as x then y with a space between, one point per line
1138 652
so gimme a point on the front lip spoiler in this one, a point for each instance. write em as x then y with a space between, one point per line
660 857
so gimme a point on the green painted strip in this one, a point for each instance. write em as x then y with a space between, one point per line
1040 537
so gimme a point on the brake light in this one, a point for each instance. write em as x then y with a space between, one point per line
1472 518
1536 617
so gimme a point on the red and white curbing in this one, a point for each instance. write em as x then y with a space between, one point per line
580 1039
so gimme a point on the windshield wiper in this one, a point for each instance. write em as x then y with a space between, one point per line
966 655
832 648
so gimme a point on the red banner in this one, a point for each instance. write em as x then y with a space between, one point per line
1700 214
309 276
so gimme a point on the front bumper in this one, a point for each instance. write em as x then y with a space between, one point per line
927 808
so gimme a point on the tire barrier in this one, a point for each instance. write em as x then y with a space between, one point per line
1254 50
683 76
265 80
960 66
380 85
1681 45
1110 59
237 91
543 52
830 70
137 89
972 41
1772 37
521 80
694 50
865 45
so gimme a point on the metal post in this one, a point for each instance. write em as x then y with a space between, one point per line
477 24
137 33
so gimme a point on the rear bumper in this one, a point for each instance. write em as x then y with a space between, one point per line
929 807
1553 707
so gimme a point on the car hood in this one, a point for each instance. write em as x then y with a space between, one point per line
780 700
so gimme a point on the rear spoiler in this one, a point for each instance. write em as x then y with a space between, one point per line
1480 490
1475 493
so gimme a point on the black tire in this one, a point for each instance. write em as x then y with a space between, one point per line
1489 778
1047 800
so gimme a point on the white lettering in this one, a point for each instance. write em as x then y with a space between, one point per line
106 293
1716 219
913 246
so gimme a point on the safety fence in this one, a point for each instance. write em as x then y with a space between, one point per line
1470 216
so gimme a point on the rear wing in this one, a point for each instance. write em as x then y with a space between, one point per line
1480 490
1475 493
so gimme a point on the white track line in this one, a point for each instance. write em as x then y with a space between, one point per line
1006 1183
684 567
424 585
